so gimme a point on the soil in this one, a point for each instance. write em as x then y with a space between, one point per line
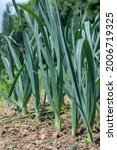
25 134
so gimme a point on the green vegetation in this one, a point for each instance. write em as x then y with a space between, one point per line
65 58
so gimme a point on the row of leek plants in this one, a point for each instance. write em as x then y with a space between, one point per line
81 63
73 69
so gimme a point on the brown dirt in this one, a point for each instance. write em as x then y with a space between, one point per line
25 134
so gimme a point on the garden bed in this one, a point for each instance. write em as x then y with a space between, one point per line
25 134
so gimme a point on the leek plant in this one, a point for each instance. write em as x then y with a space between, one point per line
22 90
31 61
31 64
51 52
86 65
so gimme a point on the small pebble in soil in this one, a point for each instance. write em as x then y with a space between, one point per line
3 132
74 147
